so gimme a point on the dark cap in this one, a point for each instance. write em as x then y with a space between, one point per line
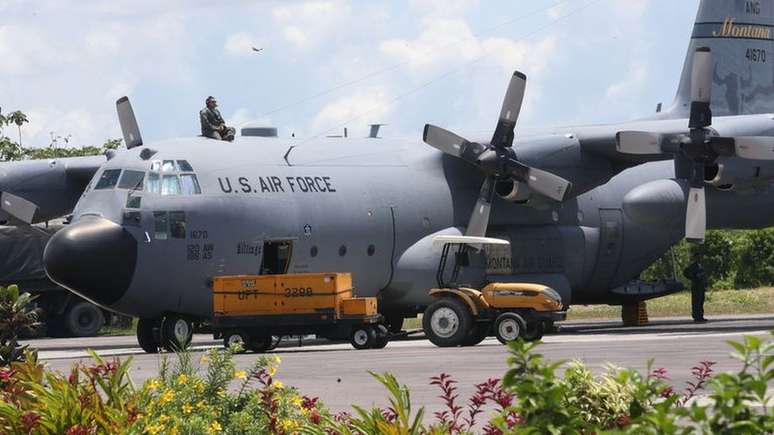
210 98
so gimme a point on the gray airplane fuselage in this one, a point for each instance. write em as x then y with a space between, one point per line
370 207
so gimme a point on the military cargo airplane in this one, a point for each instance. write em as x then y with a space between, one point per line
586 209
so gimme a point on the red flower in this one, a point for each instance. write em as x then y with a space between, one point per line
314 417
30 421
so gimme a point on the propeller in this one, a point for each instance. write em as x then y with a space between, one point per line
701 146
129 126
497 159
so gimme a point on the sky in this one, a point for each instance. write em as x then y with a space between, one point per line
329 64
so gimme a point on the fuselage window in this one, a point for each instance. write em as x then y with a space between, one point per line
184 166
131 180
190 184
133 201
170 185
108 179
168 166
177 224
154 184
156 165
160 225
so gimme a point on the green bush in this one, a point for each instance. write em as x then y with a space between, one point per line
17 316
756 263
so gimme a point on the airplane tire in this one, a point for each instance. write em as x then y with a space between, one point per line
395 323
477 334
509 327
235 337
260 344
447 322
363 337
176 333
146 337
83 319
533 331
382 337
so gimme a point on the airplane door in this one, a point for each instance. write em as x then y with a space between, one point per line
610 247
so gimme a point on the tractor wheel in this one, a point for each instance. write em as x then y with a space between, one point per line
508 327
382 337
232 338
477 334
447 322
363 337
147 337
83 319
176 333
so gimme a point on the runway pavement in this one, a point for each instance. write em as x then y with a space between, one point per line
338 374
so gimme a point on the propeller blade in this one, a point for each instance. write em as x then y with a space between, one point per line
540 181
755 147
509 114
479 219
701 89
638 142
444 140
696 215
18 207
129 127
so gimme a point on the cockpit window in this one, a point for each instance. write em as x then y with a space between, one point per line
108 179
190 184
170 185
184 166
168 166
131 180
156 165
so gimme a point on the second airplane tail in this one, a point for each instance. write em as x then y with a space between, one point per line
740 34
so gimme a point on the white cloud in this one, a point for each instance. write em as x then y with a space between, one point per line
635 79
368 106
443 8
309 24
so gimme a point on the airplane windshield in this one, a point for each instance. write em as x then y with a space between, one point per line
131 180
108 179
172 177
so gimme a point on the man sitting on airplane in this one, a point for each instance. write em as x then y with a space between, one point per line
213 125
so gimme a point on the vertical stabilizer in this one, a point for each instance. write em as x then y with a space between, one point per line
740 34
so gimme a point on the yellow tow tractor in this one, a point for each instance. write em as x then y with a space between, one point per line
465 316
252 309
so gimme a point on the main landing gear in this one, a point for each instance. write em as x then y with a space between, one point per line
172 333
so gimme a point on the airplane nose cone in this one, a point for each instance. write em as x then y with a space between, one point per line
93 257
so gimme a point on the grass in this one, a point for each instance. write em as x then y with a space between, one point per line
718 302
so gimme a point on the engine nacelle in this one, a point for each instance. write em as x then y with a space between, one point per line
739 174
512 191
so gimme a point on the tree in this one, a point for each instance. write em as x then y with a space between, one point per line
18 118
756 265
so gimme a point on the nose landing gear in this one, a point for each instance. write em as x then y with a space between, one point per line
172 333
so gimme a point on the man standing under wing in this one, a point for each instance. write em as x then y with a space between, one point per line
213 125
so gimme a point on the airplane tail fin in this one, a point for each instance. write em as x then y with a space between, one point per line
740 34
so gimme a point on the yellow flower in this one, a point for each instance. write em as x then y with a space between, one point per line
154 384
288 424
214 427
297 401
182 379
187 409
154 429
199 387
277 359
221 393
278 385
241 374
163 418
272 371
167 396
200 404
174 431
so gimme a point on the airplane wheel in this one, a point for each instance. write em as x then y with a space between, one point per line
83 319
508 327
382 337
260 344
477 334
363 337
395 323
146 336
534 331
447 322
236 337
176 333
